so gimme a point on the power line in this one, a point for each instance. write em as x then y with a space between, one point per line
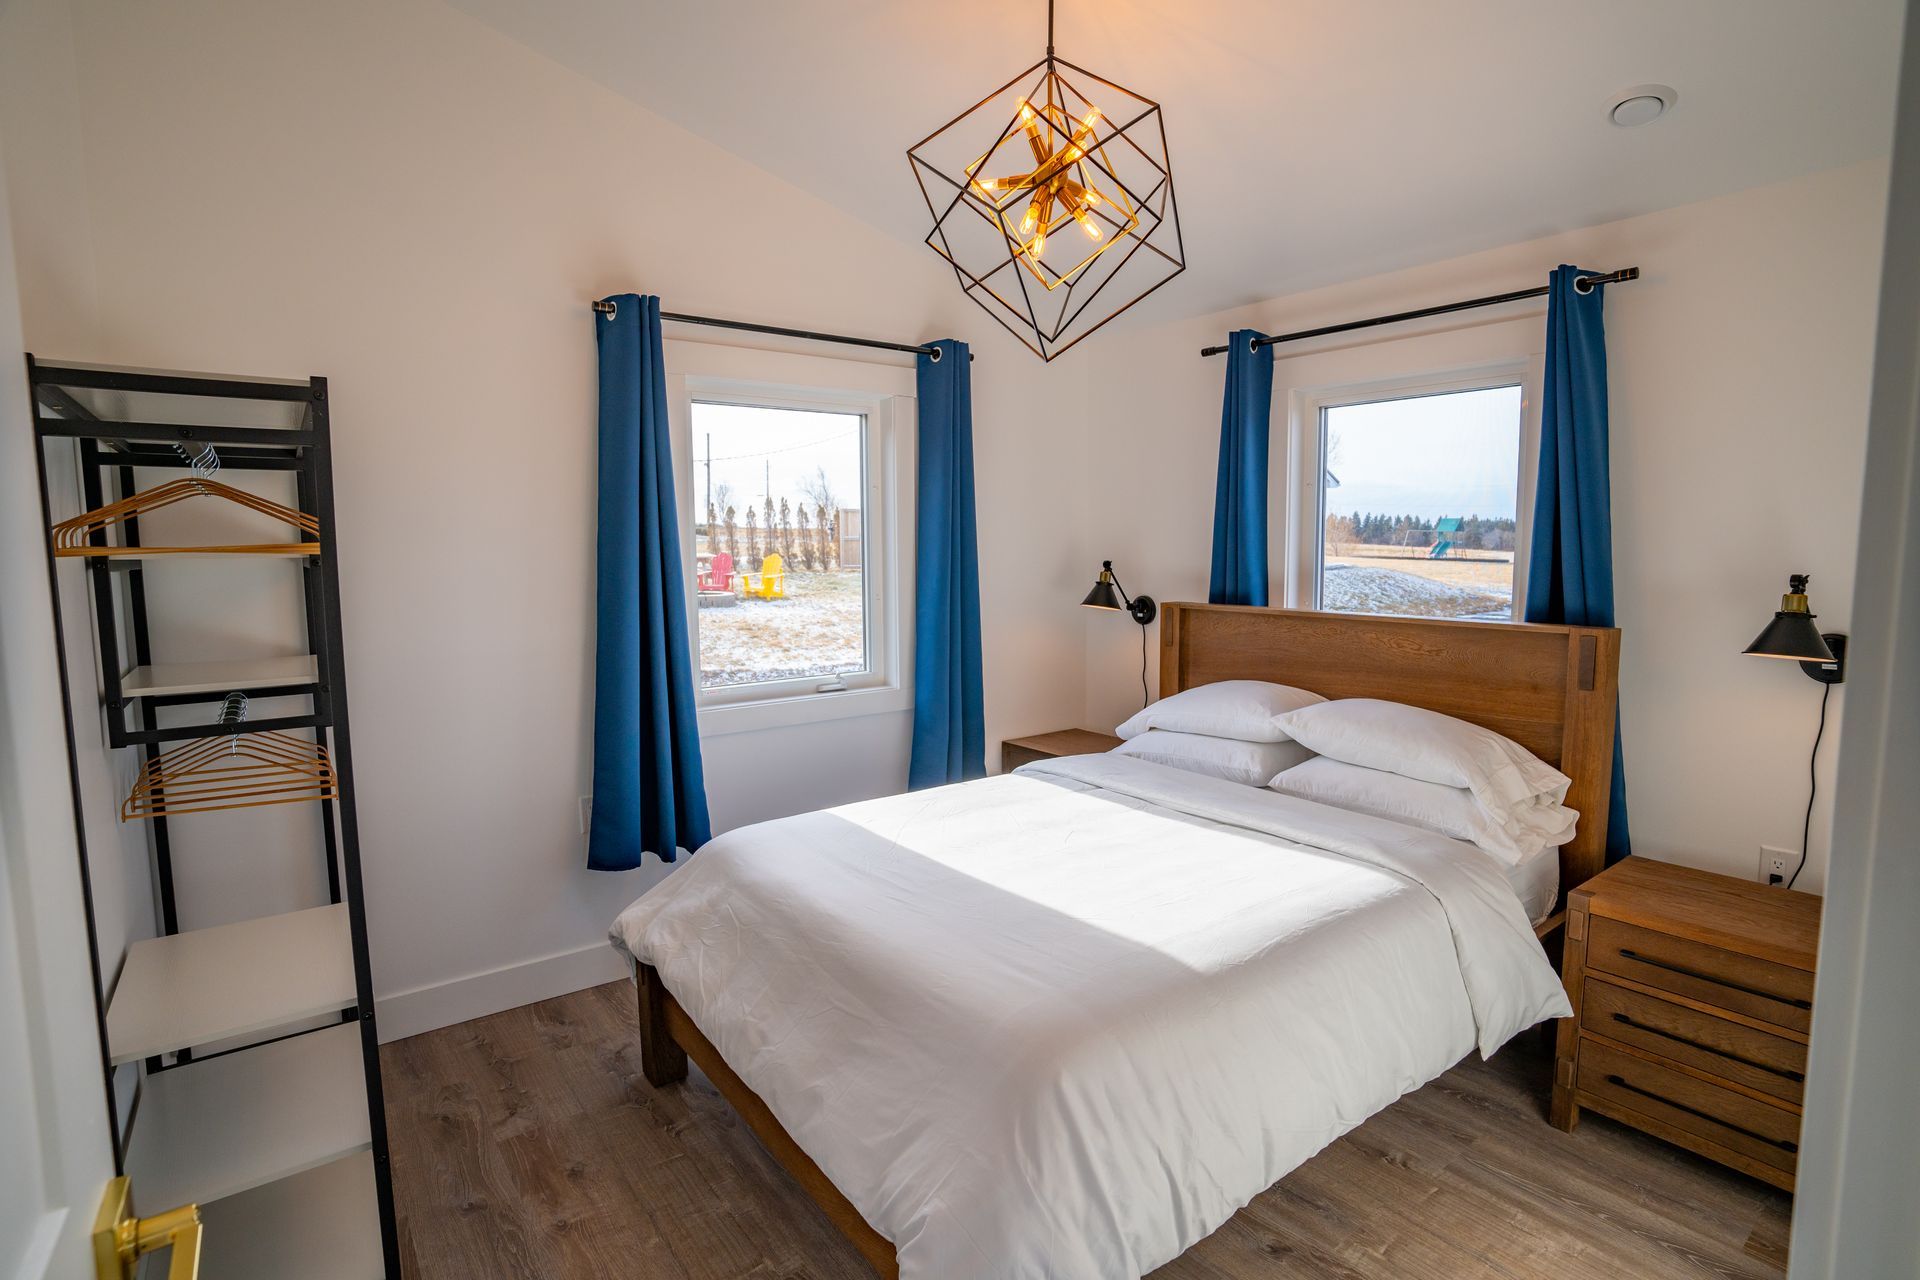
767 453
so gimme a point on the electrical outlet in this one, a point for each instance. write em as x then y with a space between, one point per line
1774 862
586 813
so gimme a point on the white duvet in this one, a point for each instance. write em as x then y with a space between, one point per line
1064 1023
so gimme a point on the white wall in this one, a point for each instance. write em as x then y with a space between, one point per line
395 196
53 1128
41 138
1854 1213
1739 367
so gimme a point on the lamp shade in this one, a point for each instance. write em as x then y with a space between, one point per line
1103 596
1792 633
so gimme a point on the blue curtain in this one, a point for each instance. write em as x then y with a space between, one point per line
949 724
1240 495
1570 571
648 790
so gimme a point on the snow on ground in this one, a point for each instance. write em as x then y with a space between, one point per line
1350 588
816 631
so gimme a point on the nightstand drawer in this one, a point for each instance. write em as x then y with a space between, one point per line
1758 988
1745 1055
1721 1116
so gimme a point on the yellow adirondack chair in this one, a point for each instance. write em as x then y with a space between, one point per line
773 580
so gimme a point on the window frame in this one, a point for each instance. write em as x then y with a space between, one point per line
1306 531
710 373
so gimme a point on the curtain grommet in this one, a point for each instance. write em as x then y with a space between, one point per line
1253 345
1584 285
613 310
934 355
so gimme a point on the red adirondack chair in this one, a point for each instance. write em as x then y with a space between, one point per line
719 574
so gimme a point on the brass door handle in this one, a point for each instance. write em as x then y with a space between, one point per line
120 1240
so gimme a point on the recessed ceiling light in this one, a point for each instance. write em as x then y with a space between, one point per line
1642 104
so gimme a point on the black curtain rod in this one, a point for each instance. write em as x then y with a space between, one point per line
608 308
1611 277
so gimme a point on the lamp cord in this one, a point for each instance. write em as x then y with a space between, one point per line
1813 785
1144 696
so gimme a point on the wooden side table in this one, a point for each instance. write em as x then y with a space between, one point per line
1692 996
1015 752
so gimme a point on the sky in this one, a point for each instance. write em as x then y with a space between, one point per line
750 445
1447 455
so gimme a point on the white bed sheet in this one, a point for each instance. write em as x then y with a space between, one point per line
1536 882
1064 1023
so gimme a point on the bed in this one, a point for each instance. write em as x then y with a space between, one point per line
1065 1022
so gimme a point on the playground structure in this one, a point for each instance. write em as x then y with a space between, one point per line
1444 532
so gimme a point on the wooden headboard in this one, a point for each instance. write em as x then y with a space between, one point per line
1550 688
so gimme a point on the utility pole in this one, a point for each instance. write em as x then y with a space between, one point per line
709 472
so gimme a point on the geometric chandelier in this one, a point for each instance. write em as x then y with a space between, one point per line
1056 214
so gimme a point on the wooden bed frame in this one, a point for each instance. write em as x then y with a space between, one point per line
1552 689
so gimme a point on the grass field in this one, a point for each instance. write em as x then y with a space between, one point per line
816 631
1374 579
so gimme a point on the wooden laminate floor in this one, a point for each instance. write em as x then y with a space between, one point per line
526 1146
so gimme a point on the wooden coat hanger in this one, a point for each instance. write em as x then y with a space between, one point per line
72 537
240 770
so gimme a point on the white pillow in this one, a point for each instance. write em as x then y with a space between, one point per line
1243 709
1451 811
1504 776
1251 763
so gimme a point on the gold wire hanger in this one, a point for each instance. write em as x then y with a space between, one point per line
240 770
71 537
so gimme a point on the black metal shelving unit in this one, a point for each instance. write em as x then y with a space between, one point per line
84 409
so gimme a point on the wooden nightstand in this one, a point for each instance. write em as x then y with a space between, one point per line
1692 995
1015 752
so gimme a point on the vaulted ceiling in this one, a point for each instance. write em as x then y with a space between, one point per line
1312 140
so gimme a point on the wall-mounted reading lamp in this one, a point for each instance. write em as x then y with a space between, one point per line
1107 593
1103 596
1792 635
1822 656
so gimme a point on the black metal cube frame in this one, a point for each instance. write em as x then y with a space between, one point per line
948 196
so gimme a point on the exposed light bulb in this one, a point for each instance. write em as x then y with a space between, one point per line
1088 225
1026 111
1038 245
1029 220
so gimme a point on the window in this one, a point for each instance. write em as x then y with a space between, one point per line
777 545
1419 500
791 496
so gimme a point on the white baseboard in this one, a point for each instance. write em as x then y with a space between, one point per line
428 1008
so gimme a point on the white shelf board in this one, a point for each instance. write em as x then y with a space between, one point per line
213 1129
320 1225
220 677
235 980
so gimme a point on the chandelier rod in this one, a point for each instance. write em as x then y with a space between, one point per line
1049 28
1611 277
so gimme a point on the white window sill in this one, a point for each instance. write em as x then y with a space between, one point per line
802 708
